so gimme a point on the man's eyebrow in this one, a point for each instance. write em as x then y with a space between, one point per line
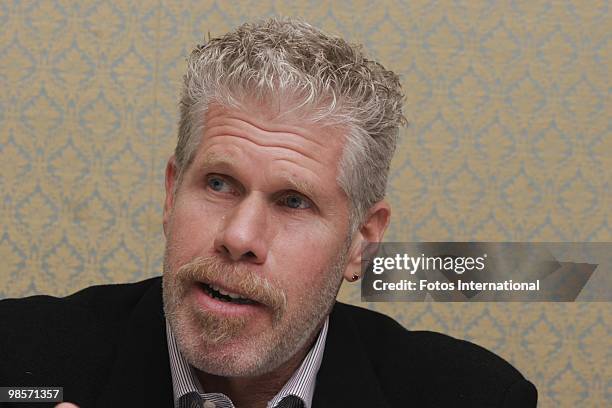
302 186
212 159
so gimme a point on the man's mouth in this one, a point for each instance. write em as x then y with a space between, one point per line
216 292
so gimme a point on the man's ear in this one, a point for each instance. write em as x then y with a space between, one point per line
372 230
171 180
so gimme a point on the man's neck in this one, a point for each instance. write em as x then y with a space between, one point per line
254 391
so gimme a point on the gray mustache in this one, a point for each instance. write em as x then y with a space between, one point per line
237 278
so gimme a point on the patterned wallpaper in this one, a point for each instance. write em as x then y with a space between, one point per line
509 106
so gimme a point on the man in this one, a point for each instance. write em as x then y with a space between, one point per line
278 179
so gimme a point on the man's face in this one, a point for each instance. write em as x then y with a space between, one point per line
258 214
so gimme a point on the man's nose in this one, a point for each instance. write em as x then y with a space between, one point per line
242 236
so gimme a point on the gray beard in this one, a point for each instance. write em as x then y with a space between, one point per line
258 354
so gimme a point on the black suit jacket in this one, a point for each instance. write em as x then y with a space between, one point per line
106 345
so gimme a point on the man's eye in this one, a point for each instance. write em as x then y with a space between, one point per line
295 202
218 184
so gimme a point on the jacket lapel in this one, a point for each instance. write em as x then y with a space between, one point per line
140 375
346 377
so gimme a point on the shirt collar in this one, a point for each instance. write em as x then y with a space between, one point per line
301 384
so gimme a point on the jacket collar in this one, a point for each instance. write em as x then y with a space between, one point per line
140 375
346 377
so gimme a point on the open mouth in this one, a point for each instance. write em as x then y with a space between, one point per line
225 296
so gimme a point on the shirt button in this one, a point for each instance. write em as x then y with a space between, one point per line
209 404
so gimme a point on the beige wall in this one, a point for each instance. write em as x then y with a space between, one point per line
509 141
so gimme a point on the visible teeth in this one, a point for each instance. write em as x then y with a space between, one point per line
225 293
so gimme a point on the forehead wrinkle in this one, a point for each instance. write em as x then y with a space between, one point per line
293 149
281 138
269 126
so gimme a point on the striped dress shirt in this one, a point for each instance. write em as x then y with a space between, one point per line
296 393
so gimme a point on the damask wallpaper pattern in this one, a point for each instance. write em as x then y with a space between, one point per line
509 140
